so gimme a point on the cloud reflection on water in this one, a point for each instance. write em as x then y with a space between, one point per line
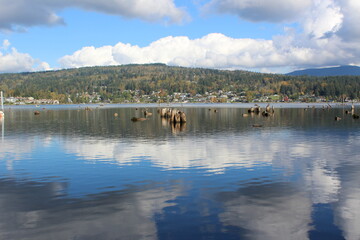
303 168
347 209
293 153
30 210
276 211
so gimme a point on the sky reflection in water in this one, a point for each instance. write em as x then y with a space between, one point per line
73 174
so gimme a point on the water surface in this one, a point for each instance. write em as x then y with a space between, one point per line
74 174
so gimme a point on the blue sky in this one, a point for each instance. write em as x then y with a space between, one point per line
257 35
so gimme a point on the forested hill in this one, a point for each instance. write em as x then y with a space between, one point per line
332 71
112 82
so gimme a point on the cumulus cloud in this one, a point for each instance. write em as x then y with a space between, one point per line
150 10
260 10
326 23
216 51
317 18
351 17
5 45
13 61
89 56
324 36
15 14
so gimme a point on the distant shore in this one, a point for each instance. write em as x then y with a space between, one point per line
184 105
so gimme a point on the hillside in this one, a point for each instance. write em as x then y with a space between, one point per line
333 71
133 82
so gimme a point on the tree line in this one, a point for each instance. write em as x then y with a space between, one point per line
112 81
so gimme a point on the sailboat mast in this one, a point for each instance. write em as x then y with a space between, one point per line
2 100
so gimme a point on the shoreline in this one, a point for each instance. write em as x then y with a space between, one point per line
182 105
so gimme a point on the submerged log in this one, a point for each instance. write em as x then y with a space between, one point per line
147 114
177 118
265 114
173 115
267 109
135 119
163 112
256 109
182 117
168 113
178 127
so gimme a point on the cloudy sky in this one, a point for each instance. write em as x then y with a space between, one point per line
259 35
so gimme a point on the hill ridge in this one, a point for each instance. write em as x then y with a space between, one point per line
345 70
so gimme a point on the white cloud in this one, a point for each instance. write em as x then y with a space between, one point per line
325 36
323 20
325 32
5 45
150 10
351 18
317 18
260 10
14 61
15 14
217 51
89 56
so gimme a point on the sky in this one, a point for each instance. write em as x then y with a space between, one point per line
276 36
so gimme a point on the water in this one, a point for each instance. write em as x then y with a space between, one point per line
74 174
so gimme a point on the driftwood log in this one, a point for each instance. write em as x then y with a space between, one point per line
135 119
147 113
256 109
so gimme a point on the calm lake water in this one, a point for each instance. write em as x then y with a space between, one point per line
74 174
